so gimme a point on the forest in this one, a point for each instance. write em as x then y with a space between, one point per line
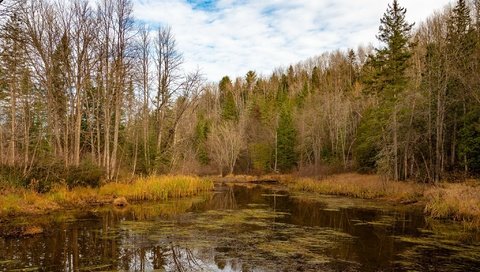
89 93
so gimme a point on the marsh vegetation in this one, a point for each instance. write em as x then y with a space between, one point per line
239 228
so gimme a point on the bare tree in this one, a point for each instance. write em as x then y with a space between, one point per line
168 61
144 80
83 35
225 142
191 89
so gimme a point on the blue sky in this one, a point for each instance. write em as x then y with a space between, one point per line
231 37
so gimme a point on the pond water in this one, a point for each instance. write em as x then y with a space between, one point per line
243 228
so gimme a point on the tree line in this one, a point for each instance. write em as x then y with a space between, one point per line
87 86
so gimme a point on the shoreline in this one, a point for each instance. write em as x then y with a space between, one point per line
459 202
23 202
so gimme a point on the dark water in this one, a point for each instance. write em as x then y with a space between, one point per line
241 228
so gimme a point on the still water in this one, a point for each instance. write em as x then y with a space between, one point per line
243 228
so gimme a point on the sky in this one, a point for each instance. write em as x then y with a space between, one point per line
231 37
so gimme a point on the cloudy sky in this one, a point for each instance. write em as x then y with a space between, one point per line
231 37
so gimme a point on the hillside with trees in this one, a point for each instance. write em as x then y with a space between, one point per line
88 92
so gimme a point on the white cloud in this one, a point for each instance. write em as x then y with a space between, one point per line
230 37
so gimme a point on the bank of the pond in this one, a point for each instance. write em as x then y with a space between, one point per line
452 201
14 201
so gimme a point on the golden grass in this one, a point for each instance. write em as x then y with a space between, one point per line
359 186
158 188
460 202
25 201
21 201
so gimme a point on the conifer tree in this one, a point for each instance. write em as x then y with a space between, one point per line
286 140
227 100
202 130
12 60
460 48
390 80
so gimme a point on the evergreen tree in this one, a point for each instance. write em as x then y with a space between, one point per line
315 78
286 140
282 93
201 134
392 59
227 100
469 146
390 79
460 49
12 61
250 80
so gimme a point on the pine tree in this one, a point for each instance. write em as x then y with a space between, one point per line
390 64
286 140
227 100
200 141
460 38
460 49
392 58
12 60
315 78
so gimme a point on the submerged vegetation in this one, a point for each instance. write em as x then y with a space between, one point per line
240 228
23 201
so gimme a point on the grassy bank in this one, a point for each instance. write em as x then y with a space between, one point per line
459 201
23 201
359 186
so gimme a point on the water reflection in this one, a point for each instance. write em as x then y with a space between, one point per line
238 228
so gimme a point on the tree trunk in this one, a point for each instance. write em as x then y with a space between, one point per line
78 127
395 141
118 100
13 114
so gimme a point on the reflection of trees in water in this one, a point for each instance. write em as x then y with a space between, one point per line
222 200
101 238
374 245
184 259
92 242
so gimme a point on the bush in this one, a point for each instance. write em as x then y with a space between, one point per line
10 177
86 174
43 177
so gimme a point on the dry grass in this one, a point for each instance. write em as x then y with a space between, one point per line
155 188
460 202
250 178
25 201
359 186
81 196
158 188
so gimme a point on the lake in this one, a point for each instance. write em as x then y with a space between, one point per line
242 227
